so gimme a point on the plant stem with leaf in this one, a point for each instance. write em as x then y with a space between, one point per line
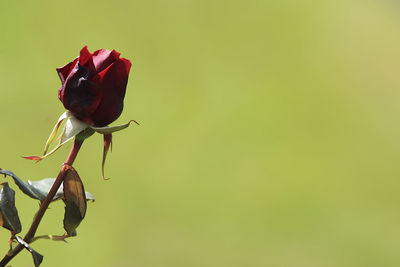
46 202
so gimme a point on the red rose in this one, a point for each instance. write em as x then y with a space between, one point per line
93 86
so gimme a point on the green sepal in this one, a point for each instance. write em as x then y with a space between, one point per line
72 128
112 129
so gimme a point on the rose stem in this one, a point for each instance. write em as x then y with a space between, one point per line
46 202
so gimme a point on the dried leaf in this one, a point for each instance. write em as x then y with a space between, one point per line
75 200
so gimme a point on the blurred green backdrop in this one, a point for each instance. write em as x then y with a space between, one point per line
269 131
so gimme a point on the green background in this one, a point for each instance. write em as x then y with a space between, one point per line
269 131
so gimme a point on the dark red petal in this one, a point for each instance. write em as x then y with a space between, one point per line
112 81
84 55
79 95
103 58
86 60
65 70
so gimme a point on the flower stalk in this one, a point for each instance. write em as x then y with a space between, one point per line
92 92
46 202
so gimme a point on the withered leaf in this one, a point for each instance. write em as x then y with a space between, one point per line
75 201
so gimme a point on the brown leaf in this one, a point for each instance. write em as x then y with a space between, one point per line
74 190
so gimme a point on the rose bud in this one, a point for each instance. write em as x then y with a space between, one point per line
93 86
93 90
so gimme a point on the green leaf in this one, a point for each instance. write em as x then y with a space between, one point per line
37 257
75 200
39 189
43 187
9 214
25 187
112 129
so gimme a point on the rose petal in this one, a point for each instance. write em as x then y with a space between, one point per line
112 81
80 95
94 86
85 59
65 70
103 58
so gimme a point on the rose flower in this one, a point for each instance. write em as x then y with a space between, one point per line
93 86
